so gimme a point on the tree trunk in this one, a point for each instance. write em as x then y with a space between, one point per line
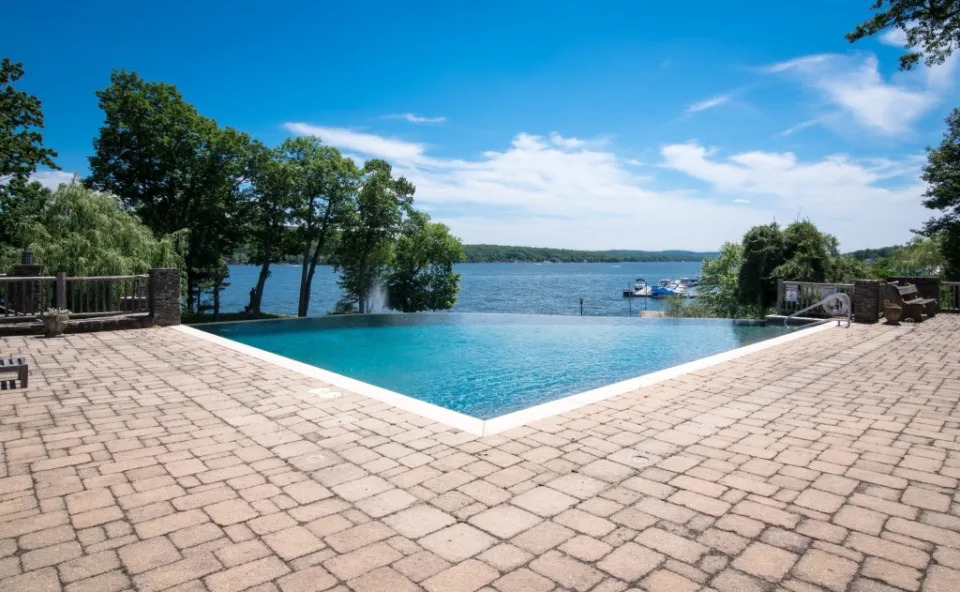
310 266
304 301
306 285
256 297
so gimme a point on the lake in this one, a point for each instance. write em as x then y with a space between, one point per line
541 288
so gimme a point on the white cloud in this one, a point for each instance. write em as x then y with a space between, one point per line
568 192
370 144
53 179
559 140
707 104
863 202
853 84
894 37
799 127
414 118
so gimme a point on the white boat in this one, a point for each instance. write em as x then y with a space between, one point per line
668 288
640 289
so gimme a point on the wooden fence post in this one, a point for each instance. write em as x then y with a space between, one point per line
61 290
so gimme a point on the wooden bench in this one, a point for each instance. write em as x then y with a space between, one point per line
908 298
18 365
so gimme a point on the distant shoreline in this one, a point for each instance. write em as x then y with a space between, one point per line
514 254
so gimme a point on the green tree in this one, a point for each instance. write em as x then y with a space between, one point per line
922 256
943 194
806 253
21 152
932 28
763 252
369 230
272 196
421 275
846 269
177 169
84 232
719 280
325 185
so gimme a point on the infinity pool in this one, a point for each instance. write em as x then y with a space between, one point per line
487 365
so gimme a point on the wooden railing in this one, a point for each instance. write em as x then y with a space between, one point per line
796 296
103 295
26 298
950 296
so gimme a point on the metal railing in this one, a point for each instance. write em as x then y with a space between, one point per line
839 301
26 298
950 296
807 296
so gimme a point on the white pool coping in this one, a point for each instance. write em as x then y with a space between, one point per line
502 423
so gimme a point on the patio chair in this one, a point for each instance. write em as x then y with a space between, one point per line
10 365
908 298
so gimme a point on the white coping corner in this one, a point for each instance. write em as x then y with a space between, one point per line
502 423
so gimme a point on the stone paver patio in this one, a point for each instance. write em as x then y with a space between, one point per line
151 460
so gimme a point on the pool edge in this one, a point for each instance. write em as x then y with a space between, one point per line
509 421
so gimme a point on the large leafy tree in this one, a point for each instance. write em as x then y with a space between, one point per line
21 152
271 193
719 277
942 174
762 254
369 230
177 169
806 253
83 232
421 275
932 28
324 185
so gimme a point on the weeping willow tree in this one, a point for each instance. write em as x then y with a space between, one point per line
83 232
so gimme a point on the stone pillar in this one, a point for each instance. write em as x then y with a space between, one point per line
867 299
164 297
27 296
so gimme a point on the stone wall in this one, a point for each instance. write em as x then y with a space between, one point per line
165 296
867 301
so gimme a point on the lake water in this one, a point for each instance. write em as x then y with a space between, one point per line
538 288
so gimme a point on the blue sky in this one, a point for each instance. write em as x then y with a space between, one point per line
565 124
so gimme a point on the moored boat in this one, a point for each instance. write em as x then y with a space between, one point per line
640 289
668 288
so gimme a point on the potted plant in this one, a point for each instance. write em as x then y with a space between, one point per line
892 312
55 321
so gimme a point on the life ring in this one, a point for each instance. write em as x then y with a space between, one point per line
836 306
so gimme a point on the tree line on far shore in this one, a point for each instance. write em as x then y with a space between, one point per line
503 253
169 186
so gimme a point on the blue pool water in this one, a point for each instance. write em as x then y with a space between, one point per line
485 365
